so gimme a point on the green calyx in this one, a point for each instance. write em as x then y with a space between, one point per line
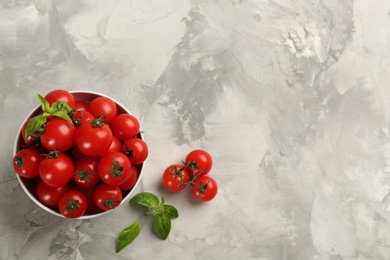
72 205
116 168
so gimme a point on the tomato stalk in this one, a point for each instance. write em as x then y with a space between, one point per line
99 121
52 154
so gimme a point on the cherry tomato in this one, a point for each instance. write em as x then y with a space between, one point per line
116 145
114 168
136 149
88 193
175 177
199 162
86 172
72 204
204 188
61 95
26 163
59 135
131 180
50 196
80 106
107 197
125 126
56 170
103 107
80 117
77 154
93 138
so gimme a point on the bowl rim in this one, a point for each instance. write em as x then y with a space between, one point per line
44 207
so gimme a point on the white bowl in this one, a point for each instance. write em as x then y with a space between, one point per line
29 184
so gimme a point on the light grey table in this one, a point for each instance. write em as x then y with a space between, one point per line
291 98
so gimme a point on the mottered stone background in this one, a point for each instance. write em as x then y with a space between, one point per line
291 98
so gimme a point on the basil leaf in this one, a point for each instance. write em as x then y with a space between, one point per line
127 236
170 211
61 106
146 199
34 124
45 104
63 115
162 225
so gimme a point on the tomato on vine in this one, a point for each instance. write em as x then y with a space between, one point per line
199 162
204 188
175 177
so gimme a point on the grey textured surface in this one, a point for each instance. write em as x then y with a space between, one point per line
291 98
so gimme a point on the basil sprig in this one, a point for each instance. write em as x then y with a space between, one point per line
162 215
161 212
58 109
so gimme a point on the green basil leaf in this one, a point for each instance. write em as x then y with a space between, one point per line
127 236
146 199
63 115
61 106
45 104
162 225
170 211
34 124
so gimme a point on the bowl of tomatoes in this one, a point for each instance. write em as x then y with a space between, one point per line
79 154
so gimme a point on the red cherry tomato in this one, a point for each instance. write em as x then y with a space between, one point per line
125 126
86 172
136 149
114 168
56 170
50 196
61 95
59 135
88 193
26 163
204 188
93 138
175 177
116 145
72 204
103 107
80 117
199 162
107 197
80 106
131 180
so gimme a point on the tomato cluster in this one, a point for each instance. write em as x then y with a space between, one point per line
83 156
192 172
